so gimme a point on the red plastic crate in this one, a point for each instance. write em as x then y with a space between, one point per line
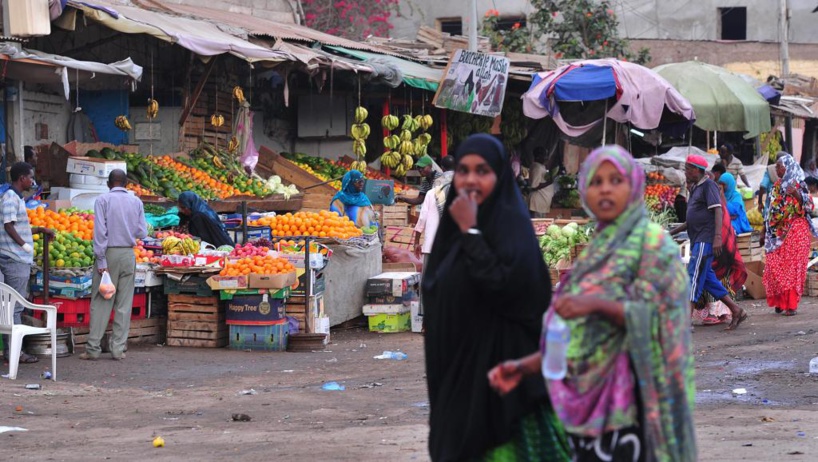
77 313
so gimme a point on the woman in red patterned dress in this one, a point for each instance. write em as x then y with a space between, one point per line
787 237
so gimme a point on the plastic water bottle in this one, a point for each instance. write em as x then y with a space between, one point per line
813 365
557 336
396 355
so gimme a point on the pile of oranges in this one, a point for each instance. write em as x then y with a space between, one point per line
321 224
257 265
75 224
139 190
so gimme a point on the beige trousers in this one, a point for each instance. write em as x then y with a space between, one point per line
122 268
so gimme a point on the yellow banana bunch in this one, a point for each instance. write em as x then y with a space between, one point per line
419 148
238 93
391 142
233 144
121 122
425 138
153 109
358 165
360 131
405 135
410 123
359 148
400 171
407 162
391 159
407 148
217 120
217 162
189 246
426 122
390 122
171 245
361 114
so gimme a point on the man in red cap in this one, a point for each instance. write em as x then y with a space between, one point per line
703 226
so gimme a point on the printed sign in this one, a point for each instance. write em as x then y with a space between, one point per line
474 83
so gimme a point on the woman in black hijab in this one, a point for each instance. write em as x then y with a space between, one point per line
485 290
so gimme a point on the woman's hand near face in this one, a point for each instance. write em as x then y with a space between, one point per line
464 211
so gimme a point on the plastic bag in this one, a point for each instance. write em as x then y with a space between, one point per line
106 286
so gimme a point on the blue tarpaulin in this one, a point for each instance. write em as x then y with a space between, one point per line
586 83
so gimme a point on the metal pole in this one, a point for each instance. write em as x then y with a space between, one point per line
244 222
784 29
46 269
473 29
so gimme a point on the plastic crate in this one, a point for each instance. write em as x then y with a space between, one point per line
272 337
77 313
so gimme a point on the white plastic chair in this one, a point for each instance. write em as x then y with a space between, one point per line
8 298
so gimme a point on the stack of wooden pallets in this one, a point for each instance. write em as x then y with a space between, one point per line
196 321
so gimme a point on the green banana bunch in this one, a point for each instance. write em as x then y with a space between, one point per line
390 122
361 114
359 148
410 123
360 131
425 138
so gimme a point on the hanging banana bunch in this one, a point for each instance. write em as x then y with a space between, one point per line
390 122
426 122
233 145
217 120
238 93
412 124
361 114
360 131
121 122
153 109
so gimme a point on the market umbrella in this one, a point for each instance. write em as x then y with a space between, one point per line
579 95
723 101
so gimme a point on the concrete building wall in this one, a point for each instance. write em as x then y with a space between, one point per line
416 13
700 20
276 10
45 118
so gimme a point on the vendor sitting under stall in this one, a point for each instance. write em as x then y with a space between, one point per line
202 221
351 201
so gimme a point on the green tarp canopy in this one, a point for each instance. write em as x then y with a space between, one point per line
414 74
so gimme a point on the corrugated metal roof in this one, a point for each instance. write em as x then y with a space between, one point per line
266 27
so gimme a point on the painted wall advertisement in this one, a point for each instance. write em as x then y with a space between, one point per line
474 83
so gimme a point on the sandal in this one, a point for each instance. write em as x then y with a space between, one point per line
790 313
711 320
737 321
778 310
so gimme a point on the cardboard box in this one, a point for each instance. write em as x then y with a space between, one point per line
390 323
270 337
371 310
93 166
317 261
271 281
146 277
417 317
250 310
227 282
253 233
75 148
56 205
408 297
394 284
380 192
318 283
754 285
228 294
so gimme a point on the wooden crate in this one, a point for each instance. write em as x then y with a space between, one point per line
149 330
811 284
315 201
293 174
393 215
399 236
196 322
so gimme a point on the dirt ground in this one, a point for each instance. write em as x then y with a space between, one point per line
109 410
